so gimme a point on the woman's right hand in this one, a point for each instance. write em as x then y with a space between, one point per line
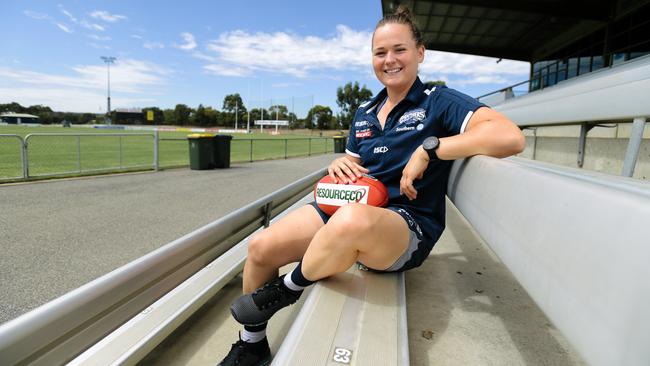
346 170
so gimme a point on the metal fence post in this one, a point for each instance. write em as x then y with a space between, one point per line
79 153
120 145
251 160
285 148
23 148
632 153
309 151
156 162
582 142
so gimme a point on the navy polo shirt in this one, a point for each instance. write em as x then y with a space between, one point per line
436 111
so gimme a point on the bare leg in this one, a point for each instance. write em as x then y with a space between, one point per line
283 242
374 236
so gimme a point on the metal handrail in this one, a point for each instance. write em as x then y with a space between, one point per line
61 329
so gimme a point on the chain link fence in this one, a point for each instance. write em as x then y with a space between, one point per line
55 154
264 149
12 158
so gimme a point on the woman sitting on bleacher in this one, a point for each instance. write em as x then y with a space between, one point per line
407 137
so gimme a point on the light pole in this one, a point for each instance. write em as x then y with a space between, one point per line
108 60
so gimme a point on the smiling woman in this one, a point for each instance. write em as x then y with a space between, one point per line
406 137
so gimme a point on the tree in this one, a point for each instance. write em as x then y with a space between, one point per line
232 103
12 107
280 112
433 83
211 116
200 118
182 114
349 98
169 117
319 116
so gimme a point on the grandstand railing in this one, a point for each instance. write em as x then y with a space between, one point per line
63 328
617 94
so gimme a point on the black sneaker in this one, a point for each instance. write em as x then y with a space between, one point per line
258 307
248 354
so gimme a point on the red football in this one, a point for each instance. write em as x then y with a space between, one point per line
367 190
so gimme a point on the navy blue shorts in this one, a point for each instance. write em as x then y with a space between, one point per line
418 249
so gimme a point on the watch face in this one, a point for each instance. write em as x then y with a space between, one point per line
430 143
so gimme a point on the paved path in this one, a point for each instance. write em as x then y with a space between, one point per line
58 235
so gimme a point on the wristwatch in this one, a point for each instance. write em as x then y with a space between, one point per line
430 145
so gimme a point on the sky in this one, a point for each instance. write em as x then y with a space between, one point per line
295 53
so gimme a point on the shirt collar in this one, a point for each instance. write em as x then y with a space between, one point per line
414 95
416 91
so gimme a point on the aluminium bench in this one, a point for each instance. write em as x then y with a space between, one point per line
119 318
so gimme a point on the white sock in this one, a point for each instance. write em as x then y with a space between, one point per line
252 337
290 284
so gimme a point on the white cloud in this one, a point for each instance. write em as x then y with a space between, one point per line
132 81
70 99
136 36
463 70
153 45
35 15
92 26
83 22
63 27
190 42
227 70
106 16
67 13
99 38
292 54
204 57
99 46
240 53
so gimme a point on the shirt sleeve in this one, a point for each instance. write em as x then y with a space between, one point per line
455 109
351 148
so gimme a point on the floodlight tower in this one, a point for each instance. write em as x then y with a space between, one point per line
108 60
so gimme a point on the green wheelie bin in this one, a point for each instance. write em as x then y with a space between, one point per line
221 151
201 151
339 144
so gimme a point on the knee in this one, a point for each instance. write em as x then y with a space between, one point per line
260 249
350 221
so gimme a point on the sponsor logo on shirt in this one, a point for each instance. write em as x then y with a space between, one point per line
413 116
361 124
405 128
380 149
363 134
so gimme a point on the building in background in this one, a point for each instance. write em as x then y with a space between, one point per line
560 39
18 118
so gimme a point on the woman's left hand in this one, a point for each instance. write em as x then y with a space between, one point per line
413 170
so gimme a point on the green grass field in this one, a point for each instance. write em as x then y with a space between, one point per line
50 155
